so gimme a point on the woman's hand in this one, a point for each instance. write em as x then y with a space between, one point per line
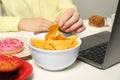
34 24
70 21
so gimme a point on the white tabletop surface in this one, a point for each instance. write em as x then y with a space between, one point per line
79 70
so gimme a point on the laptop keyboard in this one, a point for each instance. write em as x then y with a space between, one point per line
95 54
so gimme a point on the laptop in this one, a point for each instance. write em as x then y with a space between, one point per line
102 50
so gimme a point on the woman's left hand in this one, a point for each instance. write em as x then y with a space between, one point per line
70 21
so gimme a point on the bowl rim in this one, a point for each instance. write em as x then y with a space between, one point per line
35 36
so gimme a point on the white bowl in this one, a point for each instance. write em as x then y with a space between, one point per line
51 59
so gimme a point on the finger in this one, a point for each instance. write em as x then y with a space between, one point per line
61 29
62 19
72 20
79 30
75 26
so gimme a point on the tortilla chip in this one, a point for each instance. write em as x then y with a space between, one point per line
61 44
52 32
41 44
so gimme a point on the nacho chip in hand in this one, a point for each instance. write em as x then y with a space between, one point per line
52 31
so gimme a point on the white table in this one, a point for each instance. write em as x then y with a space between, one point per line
79 70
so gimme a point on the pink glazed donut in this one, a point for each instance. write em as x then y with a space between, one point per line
11 46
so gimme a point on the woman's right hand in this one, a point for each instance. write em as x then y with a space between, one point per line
34 24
